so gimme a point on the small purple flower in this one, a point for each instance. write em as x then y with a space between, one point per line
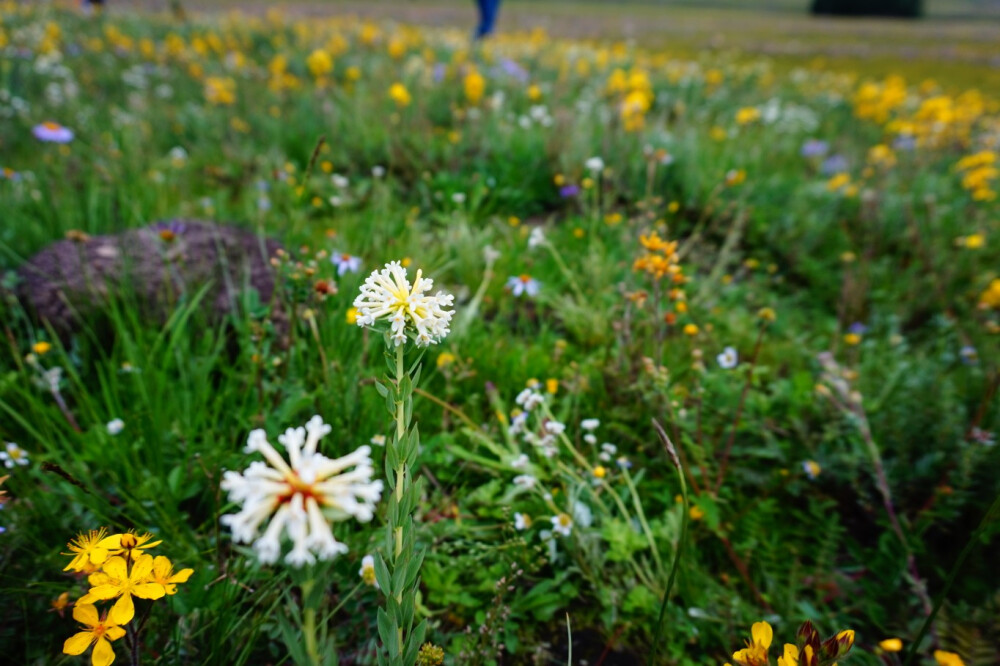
51 132
969 355
857 328
815 148
567 191
514 70
834 164
438 73
904 142
169 230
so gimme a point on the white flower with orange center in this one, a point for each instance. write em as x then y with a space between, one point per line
387 295
301 497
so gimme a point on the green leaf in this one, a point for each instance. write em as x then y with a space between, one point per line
382 576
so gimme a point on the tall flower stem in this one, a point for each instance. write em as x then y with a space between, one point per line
309 624
398 573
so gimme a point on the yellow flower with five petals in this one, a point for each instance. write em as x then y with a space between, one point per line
98 631
118 581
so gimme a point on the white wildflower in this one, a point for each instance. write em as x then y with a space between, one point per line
728 359
528 399
300 497
521 521
12 455
519 462
388 295
590 424
525 481
595 165
367 571
523 285
562 524
115 426
345 263
536 238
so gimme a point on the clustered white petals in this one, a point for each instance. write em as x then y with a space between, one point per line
387 295
300 496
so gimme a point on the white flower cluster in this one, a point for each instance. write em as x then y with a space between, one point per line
301 497
388 295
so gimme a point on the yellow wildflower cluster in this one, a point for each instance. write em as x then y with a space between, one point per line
808 650
220 91
942 120
876 101
660 260
635 93
120 567
990 298
979 174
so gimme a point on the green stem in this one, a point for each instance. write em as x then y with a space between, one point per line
671 452
641 515
401 469
992 515
309 625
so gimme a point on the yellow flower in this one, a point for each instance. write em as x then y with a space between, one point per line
513 221
735 177
673 207
60 603
534 93
220 91
445 359
551 385
947 658
99 632
116 581
767 314
990 298
690 329
790 657
163 574
130 545
319 63
352 316
975 241
755 653
400 95
41 347
747 115
891 645
852 339
696 512
600 472
89 553
475 86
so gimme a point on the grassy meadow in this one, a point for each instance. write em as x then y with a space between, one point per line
722 357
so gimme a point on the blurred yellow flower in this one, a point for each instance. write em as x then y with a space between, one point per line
891 645
400 95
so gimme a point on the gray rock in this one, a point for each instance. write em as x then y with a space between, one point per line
73 279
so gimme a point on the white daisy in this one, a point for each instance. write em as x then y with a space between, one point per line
590 424
12 455
562 524
115 426
521 521
728 359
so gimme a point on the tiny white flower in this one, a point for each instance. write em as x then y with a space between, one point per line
115 426
811 468
562 524
367 571
595 165
728 359
582 514
555 427
336 201
490 254
519 462
525 481
378 440
345 263
590 438
378 171
340 182
458 197
536 238
521 521
12 455
590 424
624 463
608 447
529 399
